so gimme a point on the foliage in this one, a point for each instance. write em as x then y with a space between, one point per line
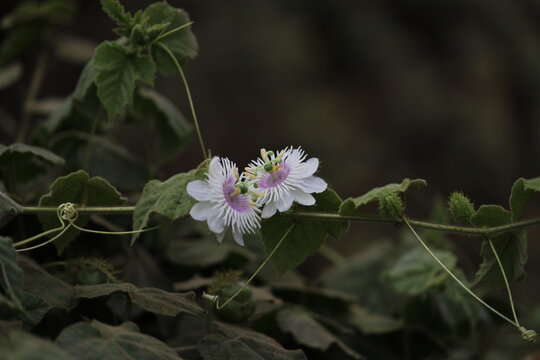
104 296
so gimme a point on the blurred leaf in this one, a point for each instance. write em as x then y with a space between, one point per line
8 209
182 44
10 74
306 236
308 332
77 188
522 190
235 343
204 253
510 246
74 49
20 345
351 205
38 282
168 198
97 341
35 308
27 161
417 272
154 300
162 117
10 280
369 322
118 68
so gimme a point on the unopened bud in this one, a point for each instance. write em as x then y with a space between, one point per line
391 205
461 208
268 167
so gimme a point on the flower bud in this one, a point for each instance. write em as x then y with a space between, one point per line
461 208
268 167
391 205
243 187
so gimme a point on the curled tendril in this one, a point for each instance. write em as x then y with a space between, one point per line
67 212
528 335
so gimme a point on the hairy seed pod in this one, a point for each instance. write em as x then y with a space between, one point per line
241 308
391 206
461 208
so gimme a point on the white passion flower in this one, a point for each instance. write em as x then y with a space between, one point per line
284 178
225 200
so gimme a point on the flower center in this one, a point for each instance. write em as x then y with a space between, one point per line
275 177
234 199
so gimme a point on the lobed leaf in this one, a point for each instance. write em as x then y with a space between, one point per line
80 189
204 253
306 236
154 300
235 343
20 345
97 341
116 12
26 162
522 191
351 205
511 248
168 198
118 68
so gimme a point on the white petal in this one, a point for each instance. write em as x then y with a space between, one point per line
220 236
216 223
303 198
201 210
312 184
238 237
198 189
308 168
269 210
285 202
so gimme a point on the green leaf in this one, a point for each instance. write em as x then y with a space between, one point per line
182 44
306 236
308 332
369 322
510 246
35 308
80 189
97 341
168 198
10 74
351 205
10 280
26 162
116 12
522 190
38 282
20 345
8 209
162 117
417 272
204 253
235 343
118 68
154 300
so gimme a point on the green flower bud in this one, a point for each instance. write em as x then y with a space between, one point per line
243 187
391 205
255 185
241 308
268 167
461 208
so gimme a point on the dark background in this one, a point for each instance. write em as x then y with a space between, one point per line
447 91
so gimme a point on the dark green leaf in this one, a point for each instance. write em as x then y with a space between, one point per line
369 322
154 300
511 248
522 190
351 205
8 209
38 282
20 345
10 74
117 71
10 279
417 272
116 12
306 236
97 341
35 308
26 161
235 343
168 198
80 189
182 44
204 253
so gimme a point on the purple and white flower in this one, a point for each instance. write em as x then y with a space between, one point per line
225 200
284 178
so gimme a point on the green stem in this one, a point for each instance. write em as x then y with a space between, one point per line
218 306
321 216
188 93
46 242
170 32
460 283
511 299
332 255
45 233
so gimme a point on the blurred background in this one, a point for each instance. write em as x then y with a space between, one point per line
447 91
